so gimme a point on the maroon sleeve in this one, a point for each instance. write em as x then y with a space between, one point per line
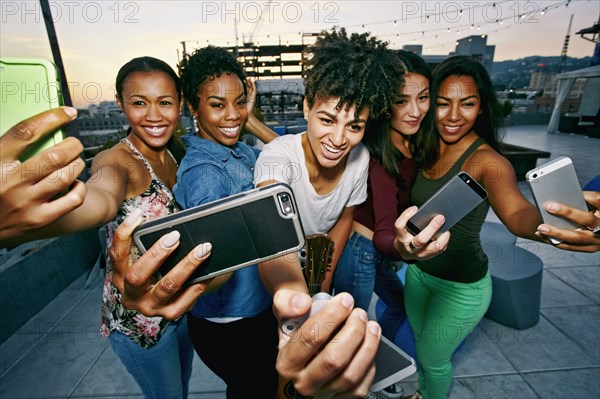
385 207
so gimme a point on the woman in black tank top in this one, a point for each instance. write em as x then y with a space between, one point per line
453 289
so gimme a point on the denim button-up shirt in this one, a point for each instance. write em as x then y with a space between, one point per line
208 172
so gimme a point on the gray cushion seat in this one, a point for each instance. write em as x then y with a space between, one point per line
516 278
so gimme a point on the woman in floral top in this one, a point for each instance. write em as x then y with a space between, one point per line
130 182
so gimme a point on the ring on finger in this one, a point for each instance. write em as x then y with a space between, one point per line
412 245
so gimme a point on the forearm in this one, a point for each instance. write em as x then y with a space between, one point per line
282 272
97 209
259 129
524 223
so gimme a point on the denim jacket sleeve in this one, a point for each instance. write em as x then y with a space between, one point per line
202 183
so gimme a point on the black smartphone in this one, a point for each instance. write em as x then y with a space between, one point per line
244 229
455 199
29 86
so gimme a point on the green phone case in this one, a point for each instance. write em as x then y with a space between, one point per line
29 86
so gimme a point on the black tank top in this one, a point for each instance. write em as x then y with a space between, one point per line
464 260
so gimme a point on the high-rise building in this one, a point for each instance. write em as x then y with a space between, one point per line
476 47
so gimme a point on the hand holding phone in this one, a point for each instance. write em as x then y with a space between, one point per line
135 280
338 331
556 181
391 363
421 246
28 200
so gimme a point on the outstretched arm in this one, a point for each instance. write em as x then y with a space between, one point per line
106 190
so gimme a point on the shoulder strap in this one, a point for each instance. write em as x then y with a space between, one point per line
140 156
474 146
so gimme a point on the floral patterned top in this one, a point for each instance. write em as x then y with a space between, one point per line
155 202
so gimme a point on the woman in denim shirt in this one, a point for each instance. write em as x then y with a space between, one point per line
217 165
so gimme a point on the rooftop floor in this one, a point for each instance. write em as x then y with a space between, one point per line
59 353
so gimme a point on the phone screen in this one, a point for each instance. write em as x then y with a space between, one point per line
29 86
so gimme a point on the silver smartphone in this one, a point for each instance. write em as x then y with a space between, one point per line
392 365
244 229
455 199
556 181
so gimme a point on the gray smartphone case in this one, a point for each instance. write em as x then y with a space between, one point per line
556 181
244 229
455 199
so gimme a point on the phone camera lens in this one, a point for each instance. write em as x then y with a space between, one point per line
284 197
535 175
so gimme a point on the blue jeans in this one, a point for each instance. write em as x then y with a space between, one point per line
361 271
164 370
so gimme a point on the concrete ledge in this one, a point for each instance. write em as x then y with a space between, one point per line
33 276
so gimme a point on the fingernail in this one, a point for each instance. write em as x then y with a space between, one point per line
133 217
362 315
553 206
413 209
374 328
169 241
347 300
202 250
300 301
440 219
72 112
543 228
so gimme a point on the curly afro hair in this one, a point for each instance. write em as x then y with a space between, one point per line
206 63
357 68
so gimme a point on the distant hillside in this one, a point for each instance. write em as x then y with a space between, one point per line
516 73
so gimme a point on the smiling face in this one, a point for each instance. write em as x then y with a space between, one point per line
458 106
151 104
221 112
331 132
411 105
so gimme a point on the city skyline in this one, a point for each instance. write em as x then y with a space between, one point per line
97 37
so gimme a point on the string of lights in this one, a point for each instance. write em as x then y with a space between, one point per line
433 36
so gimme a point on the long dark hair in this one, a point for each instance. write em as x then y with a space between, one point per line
488 122
151 64
377 135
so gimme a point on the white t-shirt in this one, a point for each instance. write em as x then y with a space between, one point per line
283 160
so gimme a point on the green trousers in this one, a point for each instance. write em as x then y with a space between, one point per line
441 314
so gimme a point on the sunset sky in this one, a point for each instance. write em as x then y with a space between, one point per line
97 37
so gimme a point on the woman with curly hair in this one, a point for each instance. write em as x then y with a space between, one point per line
233 329
235 336
348 82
